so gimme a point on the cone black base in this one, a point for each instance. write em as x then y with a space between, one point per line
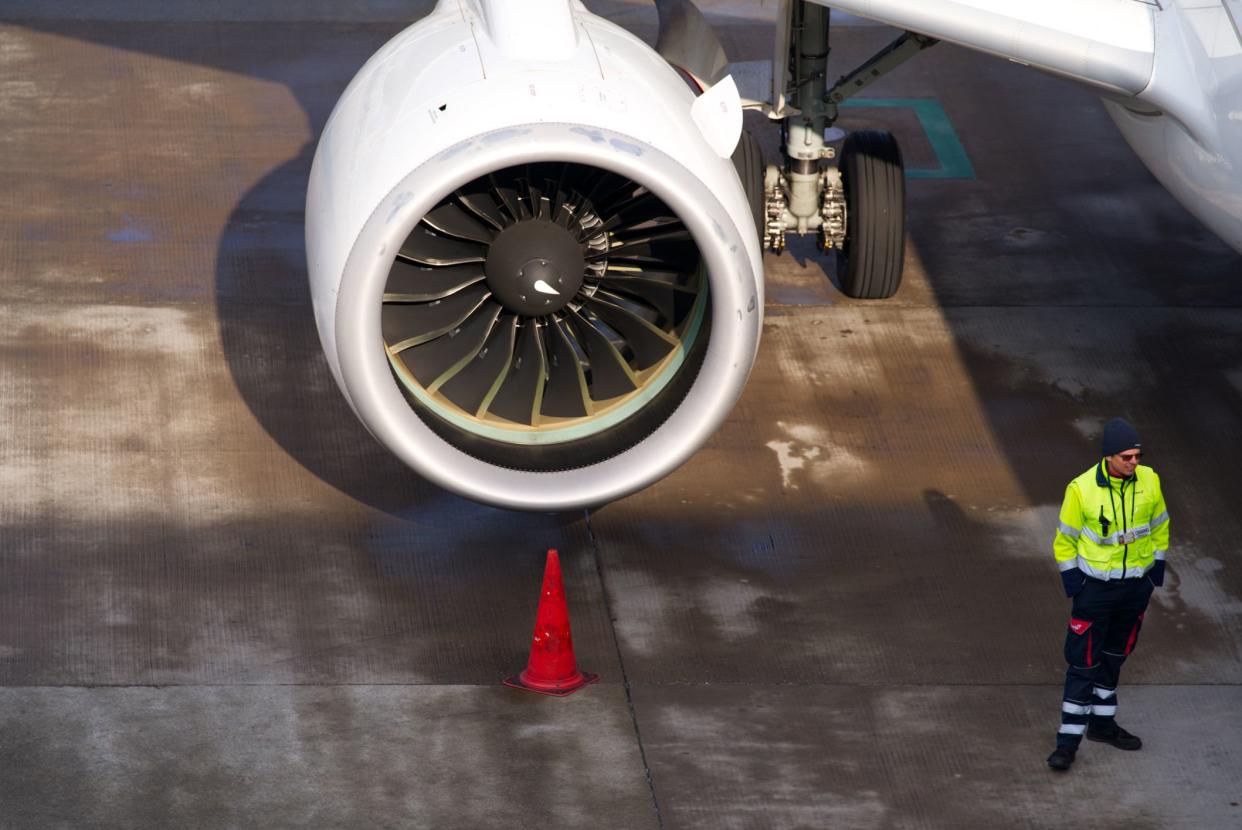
556 691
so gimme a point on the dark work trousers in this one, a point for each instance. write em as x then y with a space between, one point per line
1103 630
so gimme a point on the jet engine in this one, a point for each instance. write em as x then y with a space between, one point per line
535 271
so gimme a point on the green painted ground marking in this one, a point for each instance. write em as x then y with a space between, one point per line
949 151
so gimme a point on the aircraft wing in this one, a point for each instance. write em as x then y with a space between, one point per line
1109 44
1171 57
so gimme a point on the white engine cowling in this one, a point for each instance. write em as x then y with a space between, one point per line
534 279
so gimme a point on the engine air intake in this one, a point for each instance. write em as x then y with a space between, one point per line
547 315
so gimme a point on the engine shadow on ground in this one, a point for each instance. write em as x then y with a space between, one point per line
264 311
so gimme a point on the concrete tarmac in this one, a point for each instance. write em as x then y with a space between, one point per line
222 604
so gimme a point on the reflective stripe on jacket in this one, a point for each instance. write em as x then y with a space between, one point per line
1112 528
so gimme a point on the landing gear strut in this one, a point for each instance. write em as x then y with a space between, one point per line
857 206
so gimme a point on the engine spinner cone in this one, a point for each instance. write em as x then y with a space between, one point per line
535 267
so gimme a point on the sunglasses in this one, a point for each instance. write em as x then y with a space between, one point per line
1131 456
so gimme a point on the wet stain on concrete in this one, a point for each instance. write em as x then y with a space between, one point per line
132 232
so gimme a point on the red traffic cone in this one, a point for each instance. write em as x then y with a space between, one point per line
552 669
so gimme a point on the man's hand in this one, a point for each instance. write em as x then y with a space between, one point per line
1073 580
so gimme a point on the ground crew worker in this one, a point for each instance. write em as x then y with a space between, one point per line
1110 548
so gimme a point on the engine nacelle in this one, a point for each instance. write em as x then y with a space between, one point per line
535 281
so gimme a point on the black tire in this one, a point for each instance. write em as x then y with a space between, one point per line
870 264
748 160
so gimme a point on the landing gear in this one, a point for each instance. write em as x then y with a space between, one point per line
856 207
869 263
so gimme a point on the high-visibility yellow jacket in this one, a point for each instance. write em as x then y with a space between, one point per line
1112 528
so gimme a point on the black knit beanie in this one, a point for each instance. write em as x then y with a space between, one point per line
1119 436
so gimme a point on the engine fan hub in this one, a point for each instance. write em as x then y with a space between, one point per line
535 267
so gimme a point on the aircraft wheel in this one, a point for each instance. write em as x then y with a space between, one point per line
870 263
748 159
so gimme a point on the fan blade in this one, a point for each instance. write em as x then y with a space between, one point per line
644 207
521 393
539 204
623 239
594 233
626 304
476 384
586 179
611 375
658 294
568 214
678 280
476 199
649 344
673 254
438 359
561 190
507 195
452 220
412 283
566 395
409 324
610 190
607 225
425 247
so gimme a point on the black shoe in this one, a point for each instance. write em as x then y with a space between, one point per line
1116 736
1061 758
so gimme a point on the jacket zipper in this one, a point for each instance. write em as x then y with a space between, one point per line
1125 553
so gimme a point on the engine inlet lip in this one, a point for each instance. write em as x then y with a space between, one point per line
731 261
